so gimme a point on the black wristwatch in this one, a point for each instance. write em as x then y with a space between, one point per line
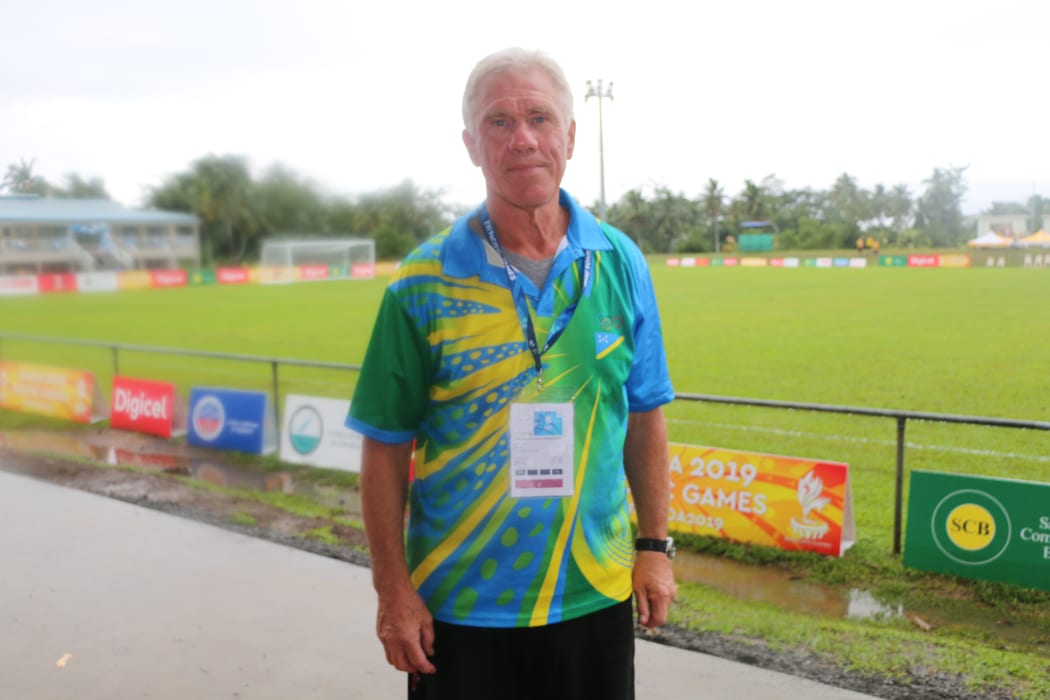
648 544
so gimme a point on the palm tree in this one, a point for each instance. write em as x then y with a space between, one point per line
20 179
713 204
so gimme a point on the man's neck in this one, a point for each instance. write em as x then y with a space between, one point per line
532 233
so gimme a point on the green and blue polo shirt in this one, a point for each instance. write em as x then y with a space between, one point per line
447 357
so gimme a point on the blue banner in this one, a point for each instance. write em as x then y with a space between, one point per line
229 419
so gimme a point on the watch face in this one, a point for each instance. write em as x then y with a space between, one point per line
670 548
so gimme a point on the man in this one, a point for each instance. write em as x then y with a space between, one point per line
521 350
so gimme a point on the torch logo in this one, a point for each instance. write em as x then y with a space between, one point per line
809 489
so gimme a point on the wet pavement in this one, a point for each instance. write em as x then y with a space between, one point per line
100 599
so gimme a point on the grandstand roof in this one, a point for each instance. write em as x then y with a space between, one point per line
32 209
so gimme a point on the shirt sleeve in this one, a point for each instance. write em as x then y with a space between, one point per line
649 383
391 394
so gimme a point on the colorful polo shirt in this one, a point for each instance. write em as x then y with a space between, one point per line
448 356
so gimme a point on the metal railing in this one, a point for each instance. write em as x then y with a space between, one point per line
116 348
901 417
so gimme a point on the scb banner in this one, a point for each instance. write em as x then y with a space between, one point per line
786 502
232 420
979 527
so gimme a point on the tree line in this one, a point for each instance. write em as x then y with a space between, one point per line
238 211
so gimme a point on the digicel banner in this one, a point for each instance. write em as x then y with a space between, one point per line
168 278
50 391
785 502
146 407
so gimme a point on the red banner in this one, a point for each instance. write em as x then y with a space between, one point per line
57 283
313 272
145 407
233 275
168 278
923 261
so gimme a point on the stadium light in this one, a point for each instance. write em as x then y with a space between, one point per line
601 93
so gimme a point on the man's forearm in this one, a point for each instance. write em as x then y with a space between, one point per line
384 492
646 464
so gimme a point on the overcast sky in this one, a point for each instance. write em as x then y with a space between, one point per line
358 96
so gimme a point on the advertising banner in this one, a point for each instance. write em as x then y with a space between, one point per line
138 279
233 275
202 277
362 271
148 407
307 273
57 282
17 285
893 260
979 528
68 394
923 260
228 419
168 278
315 433
955 260
786 502
753 262
97 282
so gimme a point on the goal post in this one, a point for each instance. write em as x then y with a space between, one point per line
307 259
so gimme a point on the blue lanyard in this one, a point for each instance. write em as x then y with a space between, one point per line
521 302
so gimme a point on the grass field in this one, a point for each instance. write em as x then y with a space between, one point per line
957 341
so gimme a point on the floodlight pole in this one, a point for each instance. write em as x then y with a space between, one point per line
600 93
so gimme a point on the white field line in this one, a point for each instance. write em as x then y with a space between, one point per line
867 441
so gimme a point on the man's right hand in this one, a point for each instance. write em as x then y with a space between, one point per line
406 629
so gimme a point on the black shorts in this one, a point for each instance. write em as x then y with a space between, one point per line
588 657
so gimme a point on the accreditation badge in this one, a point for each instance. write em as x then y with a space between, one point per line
541 447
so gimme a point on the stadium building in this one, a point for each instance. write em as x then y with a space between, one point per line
40 235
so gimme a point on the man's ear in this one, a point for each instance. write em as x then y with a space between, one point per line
572 139
472 148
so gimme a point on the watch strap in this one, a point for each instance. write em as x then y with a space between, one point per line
651 544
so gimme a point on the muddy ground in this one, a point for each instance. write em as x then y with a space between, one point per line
161 491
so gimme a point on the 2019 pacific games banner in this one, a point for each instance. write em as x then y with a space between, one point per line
786 502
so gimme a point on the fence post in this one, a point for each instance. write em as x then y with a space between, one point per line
898 504
276 397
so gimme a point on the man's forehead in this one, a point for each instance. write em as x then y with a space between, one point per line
532 88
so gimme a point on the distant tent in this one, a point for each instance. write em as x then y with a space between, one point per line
990 240
1039 239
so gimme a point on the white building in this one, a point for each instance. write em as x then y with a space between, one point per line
39 234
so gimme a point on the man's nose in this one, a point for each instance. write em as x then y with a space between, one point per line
523 138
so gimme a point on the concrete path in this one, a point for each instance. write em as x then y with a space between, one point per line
102 600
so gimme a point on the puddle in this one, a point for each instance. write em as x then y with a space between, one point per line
741 581
780 588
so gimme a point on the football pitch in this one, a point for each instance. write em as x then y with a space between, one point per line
954 341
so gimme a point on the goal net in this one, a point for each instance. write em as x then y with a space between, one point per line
299 260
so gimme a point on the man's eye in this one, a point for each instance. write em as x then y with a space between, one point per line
540 120
499 122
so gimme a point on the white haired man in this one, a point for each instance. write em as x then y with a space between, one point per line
521 352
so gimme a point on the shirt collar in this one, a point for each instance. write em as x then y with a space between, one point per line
467 254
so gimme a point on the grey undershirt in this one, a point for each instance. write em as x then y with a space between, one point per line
535 270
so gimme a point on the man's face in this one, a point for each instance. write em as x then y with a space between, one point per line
521 140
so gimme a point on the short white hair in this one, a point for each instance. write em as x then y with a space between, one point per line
515 60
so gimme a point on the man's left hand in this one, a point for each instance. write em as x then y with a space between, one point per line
654 587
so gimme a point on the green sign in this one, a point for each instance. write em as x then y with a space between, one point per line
755 242
979 527
893 260
202 277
